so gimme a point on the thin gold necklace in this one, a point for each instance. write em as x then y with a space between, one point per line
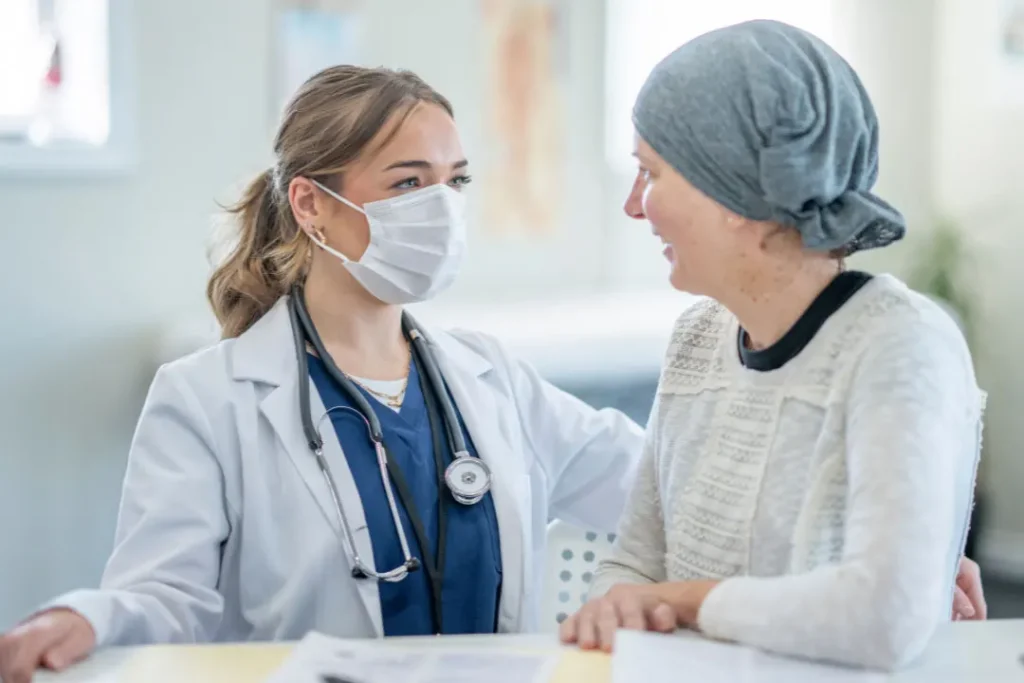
392 400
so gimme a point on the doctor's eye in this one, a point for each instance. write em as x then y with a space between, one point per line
406 184
460 181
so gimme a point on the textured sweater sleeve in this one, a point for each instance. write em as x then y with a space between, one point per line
638 555
910 424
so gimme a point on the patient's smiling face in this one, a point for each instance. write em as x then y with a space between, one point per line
701 236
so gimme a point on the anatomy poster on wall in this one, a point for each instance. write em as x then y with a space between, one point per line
312 35
525 116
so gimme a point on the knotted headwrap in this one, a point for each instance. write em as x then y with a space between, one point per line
773 124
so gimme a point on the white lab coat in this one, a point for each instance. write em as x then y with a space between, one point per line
227 530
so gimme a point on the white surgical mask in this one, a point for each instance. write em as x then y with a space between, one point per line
417 243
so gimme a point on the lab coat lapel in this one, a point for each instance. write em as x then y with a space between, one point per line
266 342
463 371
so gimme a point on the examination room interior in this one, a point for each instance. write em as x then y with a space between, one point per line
118 146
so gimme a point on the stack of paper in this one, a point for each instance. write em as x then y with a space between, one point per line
656 658
321 659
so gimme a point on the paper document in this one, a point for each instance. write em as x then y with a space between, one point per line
656 658
321 659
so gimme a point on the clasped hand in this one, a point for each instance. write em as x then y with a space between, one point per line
664 607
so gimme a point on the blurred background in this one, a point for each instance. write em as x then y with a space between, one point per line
124 124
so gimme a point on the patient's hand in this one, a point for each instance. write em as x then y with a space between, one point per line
638 608
969 597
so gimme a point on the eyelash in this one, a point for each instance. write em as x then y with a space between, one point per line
457 181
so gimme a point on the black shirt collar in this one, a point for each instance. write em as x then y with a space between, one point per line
831 299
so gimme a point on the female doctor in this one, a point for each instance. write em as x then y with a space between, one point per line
332 465
254 506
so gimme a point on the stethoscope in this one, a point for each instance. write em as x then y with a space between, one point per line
467 478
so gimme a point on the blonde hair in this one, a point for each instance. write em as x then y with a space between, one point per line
328 124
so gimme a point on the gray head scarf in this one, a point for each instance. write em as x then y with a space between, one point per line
773 124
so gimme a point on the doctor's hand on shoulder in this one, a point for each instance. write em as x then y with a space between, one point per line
969 595
54 639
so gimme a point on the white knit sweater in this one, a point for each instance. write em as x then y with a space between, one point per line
832 495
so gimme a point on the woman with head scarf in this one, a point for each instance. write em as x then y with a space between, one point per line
811 454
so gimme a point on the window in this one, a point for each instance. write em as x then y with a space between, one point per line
639 33
58 108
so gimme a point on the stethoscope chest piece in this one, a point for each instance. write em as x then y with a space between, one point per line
468 478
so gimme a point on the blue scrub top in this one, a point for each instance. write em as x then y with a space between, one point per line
472 572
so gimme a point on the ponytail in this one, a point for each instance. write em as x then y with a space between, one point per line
267 258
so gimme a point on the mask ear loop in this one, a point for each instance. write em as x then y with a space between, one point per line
321 239
335 195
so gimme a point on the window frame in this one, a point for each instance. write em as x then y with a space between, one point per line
118 154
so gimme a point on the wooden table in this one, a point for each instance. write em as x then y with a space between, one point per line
988 652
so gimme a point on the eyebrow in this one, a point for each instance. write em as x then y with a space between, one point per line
423 164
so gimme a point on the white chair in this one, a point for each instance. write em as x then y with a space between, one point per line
572 557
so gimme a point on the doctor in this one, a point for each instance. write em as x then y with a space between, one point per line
254 506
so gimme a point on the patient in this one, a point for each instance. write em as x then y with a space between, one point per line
811 454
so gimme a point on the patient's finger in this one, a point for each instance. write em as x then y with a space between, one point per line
586 634
608 622
632 614
568 630
662 618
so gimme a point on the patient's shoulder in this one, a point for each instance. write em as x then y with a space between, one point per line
705 317
698 335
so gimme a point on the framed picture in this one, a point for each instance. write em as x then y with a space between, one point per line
524 52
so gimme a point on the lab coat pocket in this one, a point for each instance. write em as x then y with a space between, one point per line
283 553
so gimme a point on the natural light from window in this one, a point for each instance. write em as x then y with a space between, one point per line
54 73
639 33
